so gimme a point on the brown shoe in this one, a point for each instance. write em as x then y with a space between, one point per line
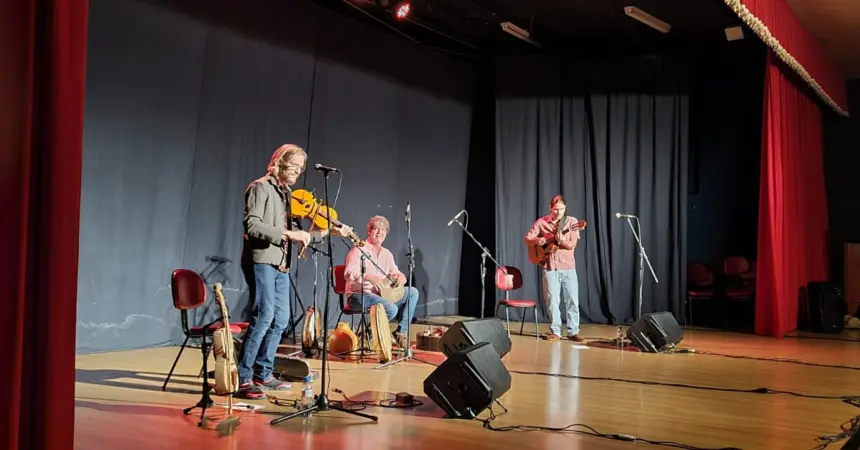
400 340
552 337
576 338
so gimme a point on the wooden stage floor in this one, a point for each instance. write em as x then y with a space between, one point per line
120 405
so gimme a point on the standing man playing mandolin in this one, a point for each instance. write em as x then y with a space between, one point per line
375 281
559 269
269 237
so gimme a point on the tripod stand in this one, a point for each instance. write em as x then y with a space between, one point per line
484 255
304 316
410 254
322 403
363 349
206 401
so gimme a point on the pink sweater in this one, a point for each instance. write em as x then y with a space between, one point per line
382 257
562 259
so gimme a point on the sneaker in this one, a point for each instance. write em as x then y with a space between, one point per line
552 337
575 338
400 340
273 384
249 392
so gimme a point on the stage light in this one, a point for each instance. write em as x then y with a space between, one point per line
401 10
647 19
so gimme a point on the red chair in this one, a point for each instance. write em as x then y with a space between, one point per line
340 290
739 284
509 278
363 327
189 292
700 285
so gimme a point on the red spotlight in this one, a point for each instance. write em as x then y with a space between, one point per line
401 10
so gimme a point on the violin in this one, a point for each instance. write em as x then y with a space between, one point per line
303 205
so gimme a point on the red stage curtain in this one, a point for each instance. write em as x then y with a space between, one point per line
792 241
786 28
42 53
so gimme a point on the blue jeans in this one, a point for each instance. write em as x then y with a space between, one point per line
410 297
270 290
558 285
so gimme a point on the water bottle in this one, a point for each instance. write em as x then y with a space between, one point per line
619 337
307 395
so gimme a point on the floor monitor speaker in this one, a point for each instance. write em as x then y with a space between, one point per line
825 308
655 332
466 333
468 382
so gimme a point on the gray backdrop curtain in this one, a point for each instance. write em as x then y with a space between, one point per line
183 110
611 136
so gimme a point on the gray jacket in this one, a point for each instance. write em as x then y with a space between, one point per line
265 206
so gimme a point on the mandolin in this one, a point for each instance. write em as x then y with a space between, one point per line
539 254
226 372
311 332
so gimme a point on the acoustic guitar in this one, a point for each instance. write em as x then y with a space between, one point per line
539 254
226 371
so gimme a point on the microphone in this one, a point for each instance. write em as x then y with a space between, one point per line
323 168
627 216
456 217
406 215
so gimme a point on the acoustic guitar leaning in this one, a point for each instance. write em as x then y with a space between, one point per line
539 254
226 371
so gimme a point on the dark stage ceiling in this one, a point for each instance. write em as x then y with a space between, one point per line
562 26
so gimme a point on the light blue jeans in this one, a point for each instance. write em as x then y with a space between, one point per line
410 297
558 285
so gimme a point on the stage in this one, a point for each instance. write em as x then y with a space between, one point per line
120 405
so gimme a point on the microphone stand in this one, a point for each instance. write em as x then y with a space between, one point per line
484 255
410 254
322 402
643 258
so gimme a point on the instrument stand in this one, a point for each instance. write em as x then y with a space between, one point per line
301 316
410 254
643 258
484 255
205 400
322 402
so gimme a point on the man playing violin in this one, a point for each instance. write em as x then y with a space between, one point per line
269 237
559 271
377 231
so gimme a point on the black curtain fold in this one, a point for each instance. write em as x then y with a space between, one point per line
611 136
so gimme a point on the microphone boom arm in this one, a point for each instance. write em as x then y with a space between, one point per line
643 258
485 253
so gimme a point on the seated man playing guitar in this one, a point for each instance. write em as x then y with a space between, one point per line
559 267
378 284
